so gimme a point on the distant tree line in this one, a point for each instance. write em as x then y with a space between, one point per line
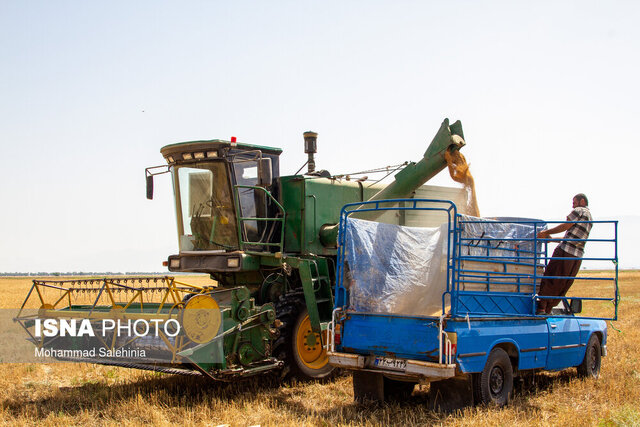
84 273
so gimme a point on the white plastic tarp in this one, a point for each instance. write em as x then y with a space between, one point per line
487 238
395 269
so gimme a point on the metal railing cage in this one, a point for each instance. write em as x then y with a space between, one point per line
484 267
497 274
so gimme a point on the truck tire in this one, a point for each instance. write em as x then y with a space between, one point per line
298 346
397 391
590 366
376 387
368 386
494 384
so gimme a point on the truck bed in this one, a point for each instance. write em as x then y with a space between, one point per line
391 335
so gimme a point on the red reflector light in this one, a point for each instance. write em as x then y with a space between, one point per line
454 350
165 263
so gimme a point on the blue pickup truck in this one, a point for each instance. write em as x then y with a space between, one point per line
454 303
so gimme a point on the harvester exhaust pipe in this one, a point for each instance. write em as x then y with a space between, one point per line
310 147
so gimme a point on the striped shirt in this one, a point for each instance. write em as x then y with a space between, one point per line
577 231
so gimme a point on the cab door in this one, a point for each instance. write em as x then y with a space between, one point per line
565 349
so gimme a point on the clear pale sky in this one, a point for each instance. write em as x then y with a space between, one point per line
548 94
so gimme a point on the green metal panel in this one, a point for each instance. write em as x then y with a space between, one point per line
310 203
309 295
324 198
291 198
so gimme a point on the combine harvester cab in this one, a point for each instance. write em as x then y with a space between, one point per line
454 304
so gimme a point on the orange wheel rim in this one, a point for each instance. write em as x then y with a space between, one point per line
309 345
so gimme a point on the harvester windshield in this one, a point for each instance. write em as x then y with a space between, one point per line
206 216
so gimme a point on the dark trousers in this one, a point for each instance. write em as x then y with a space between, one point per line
568 268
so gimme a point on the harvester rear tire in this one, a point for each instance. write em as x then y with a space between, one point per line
302 361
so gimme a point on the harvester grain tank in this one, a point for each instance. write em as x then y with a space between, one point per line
270 243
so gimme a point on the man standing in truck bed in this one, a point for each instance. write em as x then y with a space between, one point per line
568 253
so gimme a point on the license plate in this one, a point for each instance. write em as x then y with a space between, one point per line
390 363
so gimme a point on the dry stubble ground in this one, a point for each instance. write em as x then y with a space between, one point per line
81 394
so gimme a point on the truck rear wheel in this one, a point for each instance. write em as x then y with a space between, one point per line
590 366
375 386
398 391
368 386
494 384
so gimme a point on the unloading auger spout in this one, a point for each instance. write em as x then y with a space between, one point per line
412 176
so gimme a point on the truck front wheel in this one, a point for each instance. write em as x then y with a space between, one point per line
590 366
494 384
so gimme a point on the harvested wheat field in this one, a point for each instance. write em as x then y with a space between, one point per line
80 394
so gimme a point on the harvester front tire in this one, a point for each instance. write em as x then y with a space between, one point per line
303 359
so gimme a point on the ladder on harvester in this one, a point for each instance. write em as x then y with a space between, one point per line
266 243
316 283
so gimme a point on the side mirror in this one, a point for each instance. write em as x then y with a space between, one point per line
150 187
264 172
576 306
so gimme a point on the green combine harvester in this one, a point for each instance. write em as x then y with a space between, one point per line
269 241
